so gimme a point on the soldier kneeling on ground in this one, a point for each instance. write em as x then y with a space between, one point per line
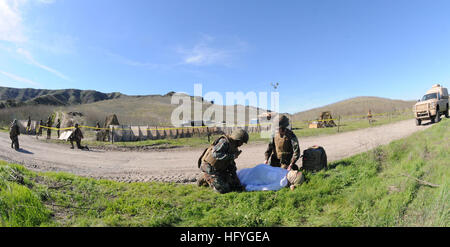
217 163
283 150
76 136
14 135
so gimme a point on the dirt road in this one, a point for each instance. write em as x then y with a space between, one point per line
179 165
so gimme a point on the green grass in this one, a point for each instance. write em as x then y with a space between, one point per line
369 189
4 129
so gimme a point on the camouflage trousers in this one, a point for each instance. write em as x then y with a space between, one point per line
78 144
15 142
221 181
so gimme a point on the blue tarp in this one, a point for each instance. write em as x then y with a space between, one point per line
263 177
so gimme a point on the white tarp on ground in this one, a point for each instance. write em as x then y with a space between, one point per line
263 177
65 135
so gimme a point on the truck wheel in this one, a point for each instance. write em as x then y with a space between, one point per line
437 118
418 122
446 113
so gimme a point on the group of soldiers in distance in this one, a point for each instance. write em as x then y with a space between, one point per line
217 165
75 136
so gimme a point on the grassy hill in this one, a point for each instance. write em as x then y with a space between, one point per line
151 109
13 97
356 106
137 110
376 188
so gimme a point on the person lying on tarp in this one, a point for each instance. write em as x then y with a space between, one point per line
263 177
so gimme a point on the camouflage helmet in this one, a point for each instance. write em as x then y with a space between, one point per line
240 135
283 122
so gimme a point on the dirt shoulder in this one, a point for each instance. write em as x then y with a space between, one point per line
179 164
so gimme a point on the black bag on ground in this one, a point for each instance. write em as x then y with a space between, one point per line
314 159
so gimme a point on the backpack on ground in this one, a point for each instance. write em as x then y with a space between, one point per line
314 159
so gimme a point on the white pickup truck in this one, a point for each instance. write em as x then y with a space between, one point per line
432 105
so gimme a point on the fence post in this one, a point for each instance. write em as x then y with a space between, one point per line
112 135
339 122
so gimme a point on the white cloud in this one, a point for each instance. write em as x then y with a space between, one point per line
130 62
11 28
46 1
207 52
19 79
31 60
59 44
203 54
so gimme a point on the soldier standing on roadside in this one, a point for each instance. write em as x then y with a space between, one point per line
14 133
283 150
369 116
29 125
98 132
58 125
217 163
49 125
41 124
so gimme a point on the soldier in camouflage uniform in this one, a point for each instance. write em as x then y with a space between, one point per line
14 133
217 163
58 125
49 124
76 136
39 133
369 116
28 125
283 150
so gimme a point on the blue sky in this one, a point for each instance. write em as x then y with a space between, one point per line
319 51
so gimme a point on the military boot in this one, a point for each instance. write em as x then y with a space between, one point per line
201 182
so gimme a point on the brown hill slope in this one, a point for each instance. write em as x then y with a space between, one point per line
356 106
143 110
13 97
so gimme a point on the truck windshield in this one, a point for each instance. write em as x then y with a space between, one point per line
429 96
